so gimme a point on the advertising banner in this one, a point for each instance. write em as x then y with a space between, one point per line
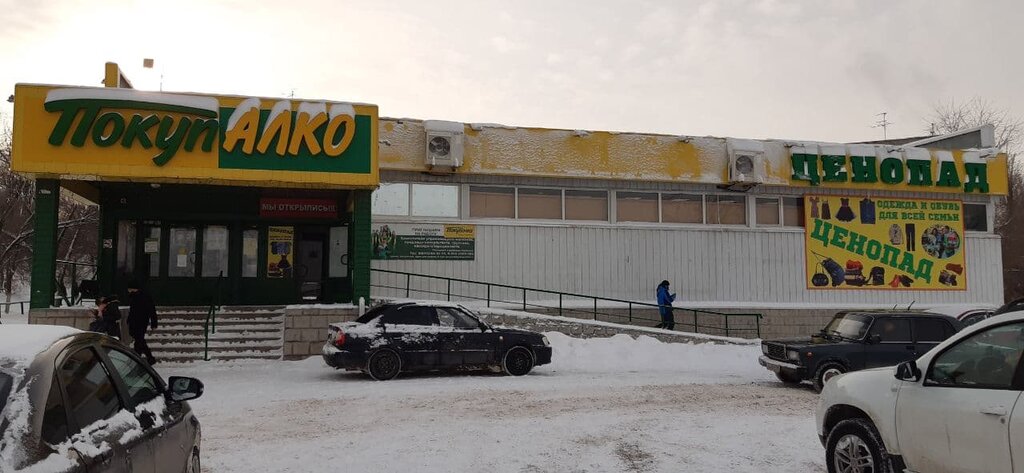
279 251
860 242
125 134
424 242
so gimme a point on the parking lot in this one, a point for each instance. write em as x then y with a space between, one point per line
614 404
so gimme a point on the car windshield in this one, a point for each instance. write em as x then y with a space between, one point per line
852 326
5 389
373 313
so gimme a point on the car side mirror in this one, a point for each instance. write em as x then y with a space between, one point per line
483 327
908 371
874 339
181 388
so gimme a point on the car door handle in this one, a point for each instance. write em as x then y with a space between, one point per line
994 410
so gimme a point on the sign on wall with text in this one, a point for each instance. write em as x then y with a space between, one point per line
280 259
862 242
424 242
124 134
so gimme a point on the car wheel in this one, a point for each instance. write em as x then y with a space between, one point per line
517 361
826 372
788 378
193 463
854 446
384 365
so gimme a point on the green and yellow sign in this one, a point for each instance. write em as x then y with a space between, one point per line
124 134
862 242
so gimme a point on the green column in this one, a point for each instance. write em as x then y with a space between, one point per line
44 243
359 257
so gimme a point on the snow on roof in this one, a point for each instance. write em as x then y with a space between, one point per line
444 126
24 342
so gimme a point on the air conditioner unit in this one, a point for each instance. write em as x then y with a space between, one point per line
444 145
746 162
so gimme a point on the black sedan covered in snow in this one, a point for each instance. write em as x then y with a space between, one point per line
430 336
73 401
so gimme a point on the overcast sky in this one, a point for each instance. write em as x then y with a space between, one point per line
816 70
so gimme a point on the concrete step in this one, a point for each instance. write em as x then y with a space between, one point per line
223 338
190 357
219 316
218 347
190 330
222 322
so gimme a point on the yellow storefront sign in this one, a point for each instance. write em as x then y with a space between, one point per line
863 242
460 231
125 134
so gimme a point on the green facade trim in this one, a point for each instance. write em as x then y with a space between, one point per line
44 243
361 245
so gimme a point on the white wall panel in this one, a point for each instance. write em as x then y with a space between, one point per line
712 266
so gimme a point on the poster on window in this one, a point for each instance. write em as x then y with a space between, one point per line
424 242
279 251
881 243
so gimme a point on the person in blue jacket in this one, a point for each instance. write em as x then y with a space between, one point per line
665 299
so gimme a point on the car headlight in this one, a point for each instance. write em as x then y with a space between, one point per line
545 340
764 349
793 355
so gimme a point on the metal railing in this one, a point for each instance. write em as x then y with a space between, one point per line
210 325
730 323
72 296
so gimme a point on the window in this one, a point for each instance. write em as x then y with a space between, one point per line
492 202
91 393
250 253
682 208
540 203
931 330
391 199
55 418
152 249
141 385
636 207
411 315
125 246
976 317
987 359
6 384
767 211
726 209
215 251
976 217
456 319
892 330
182 255
793 211
432 200
586 205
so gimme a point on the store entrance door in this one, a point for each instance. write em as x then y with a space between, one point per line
309 265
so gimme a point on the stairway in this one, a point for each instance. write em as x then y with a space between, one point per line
243 332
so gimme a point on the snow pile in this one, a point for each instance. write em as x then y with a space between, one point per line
703 362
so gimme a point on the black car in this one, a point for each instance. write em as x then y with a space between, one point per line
81 401
421 336
856 340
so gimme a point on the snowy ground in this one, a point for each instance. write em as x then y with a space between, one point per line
604 405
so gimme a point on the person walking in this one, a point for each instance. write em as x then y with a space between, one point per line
665 300
141 315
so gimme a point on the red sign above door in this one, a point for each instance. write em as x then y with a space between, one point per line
298 208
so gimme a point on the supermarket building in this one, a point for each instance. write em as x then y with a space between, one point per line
278 201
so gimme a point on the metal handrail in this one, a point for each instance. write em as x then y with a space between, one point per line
210 325
697 326
75 296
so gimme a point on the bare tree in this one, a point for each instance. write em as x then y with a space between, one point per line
77 227
1009 137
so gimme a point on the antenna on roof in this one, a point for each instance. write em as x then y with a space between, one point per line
883 124
894 306
911 305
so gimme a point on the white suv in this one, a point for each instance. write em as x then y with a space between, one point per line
958 408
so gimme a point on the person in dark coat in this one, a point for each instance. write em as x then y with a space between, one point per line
106 317
141 315
665 300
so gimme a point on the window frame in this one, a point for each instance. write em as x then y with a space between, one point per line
73 424
907 320
989 217
161 388
946 328
1016 382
